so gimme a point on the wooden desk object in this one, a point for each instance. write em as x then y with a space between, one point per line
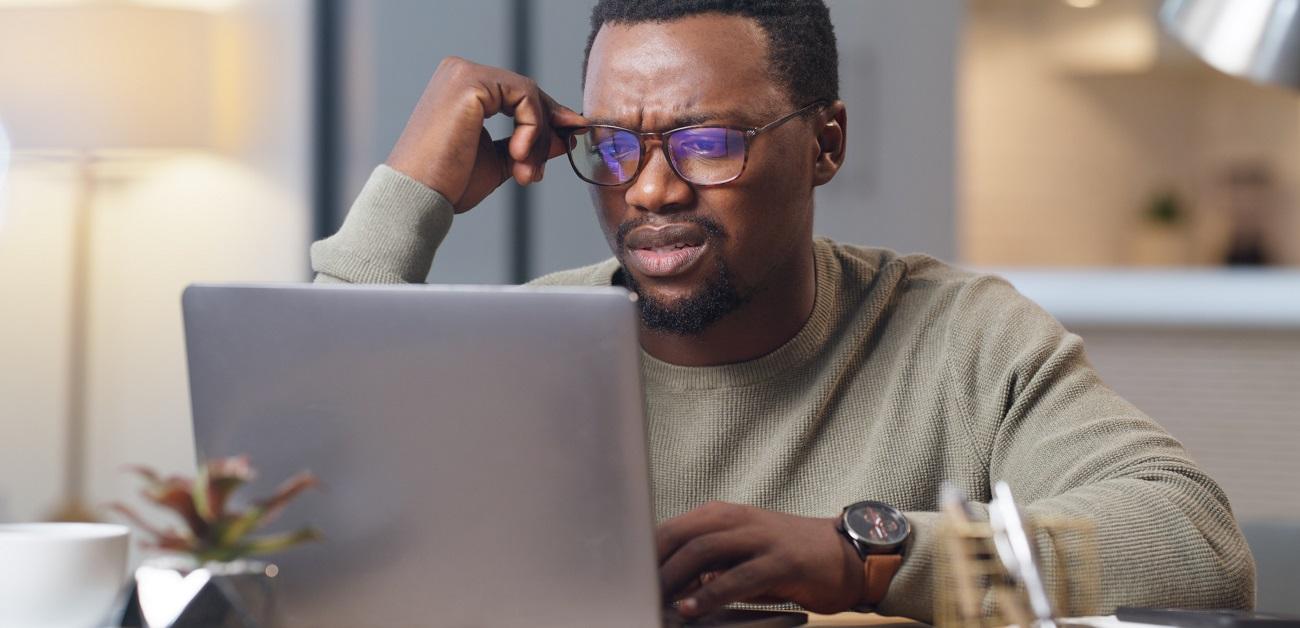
855 620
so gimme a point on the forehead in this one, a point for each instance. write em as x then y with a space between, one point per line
651 75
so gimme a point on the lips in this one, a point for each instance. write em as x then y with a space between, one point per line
665 251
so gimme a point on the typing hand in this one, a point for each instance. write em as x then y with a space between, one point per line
721 553
446 147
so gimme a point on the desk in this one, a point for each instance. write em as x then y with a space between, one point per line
853 620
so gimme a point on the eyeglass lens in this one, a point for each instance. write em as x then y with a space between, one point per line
703 155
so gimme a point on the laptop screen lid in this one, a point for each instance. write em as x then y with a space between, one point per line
481 449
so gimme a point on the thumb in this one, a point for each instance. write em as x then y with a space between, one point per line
559 145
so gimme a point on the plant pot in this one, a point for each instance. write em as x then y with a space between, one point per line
1154 244
177 592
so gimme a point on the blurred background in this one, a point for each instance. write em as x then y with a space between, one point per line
1149 200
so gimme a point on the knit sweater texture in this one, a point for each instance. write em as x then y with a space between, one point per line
909 372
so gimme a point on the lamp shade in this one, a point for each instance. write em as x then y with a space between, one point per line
105 76
1253 39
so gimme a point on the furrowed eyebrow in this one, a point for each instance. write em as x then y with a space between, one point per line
702 117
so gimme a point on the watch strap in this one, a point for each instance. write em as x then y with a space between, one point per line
879 573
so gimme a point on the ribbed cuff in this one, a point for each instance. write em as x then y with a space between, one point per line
390 234
911 592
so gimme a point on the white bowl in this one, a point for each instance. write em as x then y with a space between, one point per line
61 574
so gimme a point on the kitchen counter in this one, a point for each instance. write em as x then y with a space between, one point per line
1176 297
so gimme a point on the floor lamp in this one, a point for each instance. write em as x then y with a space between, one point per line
87 84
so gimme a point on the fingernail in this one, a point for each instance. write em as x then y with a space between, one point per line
689 605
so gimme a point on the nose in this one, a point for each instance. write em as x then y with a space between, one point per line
657 188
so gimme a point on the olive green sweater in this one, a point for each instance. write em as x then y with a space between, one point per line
909 372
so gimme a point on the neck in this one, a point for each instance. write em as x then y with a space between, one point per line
772 315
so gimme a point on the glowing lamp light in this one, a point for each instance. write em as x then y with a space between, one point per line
98 82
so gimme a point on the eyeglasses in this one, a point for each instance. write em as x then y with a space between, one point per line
702 154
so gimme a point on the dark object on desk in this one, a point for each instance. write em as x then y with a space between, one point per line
737 619
239 594
1205 619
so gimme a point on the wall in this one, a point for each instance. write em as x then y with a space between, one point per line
34 270
389 51
898 63
238 215
1060 154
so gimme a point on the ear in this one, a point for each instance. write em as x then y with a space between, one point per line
831 142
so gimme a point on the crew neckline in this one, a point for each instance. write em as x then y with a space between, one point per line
796 351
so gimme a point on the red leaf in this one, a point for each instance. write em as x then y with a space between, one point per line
174 494
272 505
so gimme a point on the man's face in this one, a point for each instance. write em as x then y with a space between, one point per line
695 253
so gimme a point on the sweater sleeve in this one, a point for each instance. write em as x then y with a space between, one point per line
1041 419
389 236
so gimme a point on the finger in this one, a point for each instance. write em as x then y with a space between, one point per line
549 143
520 166
561 116
559 146
700 555
746 581
538 153
502 148
520 152
534 112
517 96
711 517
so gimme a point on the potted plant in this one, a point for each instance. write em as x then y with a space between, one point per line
205 575
1163 234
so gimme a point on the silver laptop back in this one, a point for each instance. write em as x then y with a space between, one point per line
482 450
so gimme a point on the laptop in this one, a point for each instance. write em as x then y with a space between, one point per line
481 450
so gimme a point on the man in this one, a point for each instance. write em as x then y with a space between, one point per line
788 377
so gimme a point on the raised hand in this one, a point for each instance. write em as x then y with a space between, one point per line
446 147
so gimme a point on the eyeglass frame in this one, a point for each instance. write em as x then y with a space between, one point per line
749 134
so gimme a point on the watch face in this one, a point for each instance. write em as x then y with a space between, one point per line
877 524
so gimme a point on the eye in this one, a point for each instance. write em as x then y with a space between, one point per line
706 147
617 148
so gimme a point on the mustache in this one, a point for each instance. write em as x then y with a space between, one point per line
710 227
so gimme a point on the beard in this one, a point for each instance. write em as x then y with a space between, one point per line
690 315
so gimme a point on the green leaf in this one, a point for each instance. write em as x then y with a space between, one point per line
279 542
232 533
202 503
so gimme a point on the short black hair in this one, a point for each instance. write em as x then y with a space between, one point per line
800 37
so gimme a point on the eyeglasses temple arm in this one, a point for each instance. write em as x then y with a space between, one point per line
785 118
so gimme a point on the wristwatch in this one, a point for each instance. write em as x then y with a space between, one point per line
879 533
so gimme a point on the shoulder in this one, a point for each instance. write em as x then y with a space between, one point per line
914 276
969 307
598 274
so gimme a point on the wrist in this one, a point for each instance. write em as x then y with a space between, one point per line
417 170
878 533
854 577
